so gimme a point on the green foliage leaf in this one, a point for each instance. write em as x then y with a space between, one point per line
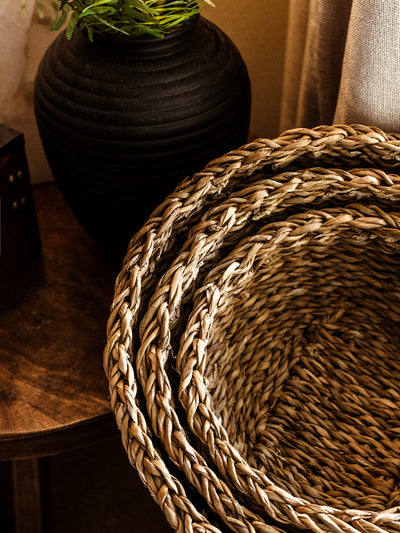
103 6
90 33
58 22
125 17
73 21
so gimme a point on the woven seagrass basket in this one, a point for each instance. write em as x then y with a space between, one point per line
253 349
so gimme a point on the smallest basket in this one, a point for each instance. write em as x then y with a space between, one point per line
296 361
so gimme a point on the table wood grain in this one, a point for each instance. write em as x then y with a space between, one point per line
53 313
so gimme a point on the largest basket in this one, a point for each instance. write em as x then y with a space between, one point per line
252 350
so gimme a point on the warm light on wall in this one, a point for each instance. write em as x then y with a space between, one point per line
258 28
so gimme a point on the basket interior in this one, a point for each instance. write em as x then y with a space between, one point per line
303 363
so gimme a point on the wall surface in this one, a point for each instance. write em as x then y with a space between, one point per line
19 111
257 27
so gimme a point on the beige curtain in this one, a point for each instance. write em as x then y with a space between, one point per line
342 64
14 25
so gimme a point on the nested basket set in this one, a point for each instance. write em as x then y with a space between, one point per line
253 349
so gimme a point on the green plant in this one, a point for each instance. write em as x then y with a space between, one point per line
126 17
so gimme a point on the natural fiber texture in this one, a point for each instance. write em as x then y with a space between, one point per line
253 339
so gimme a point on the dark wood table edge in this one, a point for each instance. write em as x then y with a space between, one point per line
67 438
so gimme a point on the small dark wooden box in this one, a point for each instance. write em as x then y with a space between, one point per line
20 239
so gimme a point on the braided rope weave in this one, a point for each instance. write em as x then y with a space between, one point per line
252 342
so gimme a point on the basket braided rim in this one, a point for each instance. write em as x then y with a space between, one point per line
370 145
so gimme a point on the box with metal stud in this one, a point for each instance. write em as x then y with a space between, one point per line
20 238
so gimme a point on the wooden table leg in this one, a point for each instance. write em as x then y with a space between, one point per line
28 504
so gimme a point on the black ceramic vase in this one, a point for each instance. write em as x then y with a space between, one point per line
122 121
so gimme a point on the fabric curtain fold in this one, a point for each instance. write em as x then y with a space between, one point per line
342 64
14 25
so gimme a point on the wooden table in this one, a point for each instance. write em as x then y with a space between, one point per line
53 313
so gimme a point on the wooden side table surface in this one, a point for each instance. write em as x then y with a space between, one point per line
53 313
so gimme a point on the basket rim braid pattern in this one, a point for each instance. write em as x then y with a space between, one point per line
201 482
